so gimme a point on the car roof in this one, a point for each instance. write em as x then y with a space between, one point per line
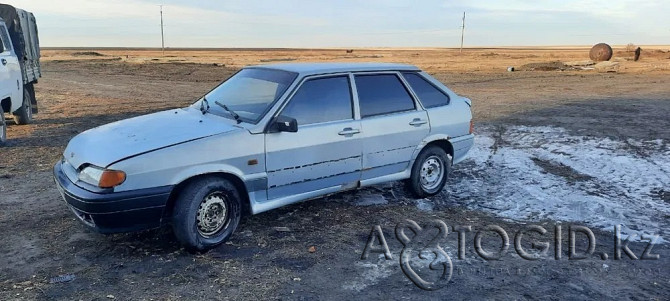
323 68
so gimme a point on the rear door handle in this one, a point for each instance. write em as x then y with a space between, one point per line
418 122
348 132
4 62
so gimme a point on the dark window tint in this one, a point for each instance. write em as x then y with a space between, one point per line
382 94
321 100
429 95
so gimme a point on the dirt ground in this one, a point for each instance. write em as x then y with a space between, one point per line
617 119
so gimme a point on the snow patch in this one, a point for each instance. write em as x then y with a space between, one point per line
366 198
371 273
533 173
424 205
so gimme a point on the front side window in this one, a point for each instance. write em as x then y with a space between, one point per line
382 94
4 39
249 93
429 95
321 100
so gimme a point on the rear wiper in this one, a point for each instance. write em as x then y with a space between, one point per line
204 103
232 113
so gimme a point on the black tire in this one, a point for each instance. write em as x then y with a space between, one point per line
3 127
199 232
24 115
430 157
33 98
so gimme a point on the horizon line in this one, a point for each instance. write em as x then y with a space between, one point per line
519 47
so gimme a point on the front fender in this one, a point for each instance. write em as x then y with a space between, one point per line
228 153
194 171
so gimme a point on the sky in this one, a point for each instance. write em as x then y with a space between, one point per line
348 23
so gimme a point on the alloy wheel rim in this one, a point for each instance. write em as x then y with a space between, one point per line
432 173
212 214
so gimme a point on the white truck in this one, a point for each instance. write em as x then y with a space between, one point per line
19 66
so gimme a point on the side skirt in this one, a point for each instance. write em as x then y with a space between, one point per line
258 205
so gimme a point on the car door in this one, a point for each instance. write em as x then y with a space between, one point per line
325 153
10 71
392 122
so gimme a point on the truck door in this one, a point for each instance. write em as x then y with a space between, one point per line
10 72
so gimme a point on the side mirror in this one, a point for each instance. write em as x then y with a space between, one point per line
284 124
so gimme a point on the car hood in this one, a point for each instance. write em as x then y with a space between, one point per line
119 140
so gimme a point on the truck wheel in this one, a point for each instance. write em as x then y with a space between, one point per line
24 114
206 213
429 172
33 98
3 127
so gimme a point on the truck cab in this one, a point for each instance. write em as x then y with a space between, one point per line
19 66
11 87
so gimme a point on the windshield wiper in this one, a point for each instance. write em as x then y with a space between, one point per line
204 103
232 113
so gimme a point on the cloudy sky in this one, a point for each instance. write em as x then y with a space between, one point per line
348 23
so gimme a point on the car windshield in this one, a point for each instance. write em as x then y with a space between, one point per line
249 93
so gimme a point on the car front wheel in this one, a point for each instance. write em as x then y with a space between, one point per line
429 172
206 213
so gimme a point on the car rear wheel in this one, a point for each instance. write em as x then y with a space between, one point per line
24 114
3 127
429 172
206 213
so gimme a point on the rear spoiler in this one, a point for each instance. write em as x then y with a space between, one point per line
468 101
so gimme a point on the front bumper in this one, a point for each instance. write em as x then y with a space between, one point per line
114 212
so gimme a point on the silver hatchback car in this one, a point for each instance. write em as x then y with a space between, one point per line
266 137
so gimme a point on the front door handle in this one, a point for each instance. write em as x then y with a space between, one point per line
418 122
348 132
4 62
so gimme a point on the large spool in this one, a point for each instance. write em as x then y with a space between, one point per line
601 52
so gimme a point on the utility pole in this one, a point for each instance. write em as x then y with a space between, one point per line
462 32
162 36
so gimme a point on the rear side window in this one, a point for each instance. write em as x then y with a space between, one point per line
429 95
321 100
382 94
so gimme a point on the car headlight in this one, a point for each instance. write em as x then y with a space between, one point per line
103 178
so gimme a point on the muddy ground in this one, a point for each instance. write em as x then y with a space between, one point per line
270 255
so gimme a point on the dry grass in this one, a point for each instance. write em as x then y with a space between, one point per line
488 60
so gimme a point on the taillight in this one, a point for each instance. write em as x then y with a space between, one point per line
472 126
